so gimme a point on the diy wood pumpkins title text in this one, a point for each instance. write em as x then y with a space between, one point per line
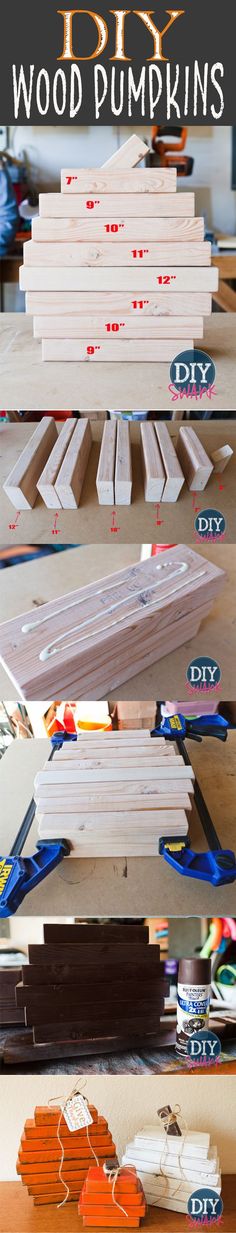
84 37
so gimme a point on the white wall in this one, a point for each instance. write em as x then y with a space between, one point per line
48 149
128 1102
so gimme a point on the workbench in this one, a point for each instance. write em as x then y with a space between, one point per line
124 887
28 586
93 523
27 382
19 1214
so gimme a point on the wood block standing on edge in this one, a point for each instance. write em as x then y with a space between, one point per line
70 478
154 474
123 471
221 457
129 154
46 481
196 464
174 475
106 465
21 484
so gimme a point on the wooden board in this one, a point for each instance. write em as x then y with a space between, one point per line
221 457
129 154
110 205
118 932
47 479
134 326
153 471
70 478
123 467
122 633
74 350
123 254
135 279
96 180
106 466
21 485
197 466
62 303
174 474
183 230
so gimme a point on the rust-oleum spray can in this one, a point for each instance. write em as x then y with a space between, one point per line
193 999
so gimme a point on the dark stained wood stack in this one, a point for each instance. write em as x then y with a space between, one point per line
99 986
100 1204
9 1011
39 1156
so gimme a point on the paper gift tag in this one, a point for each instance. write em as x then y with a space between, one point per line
76 1113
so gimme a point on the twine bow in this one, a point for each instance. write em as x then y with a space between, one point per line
169 1120
113 1176
75 1092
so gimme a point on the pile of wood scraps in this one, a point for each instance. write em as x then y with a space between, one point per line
114 795
117 268
39 1161
56 466
86 643
89 989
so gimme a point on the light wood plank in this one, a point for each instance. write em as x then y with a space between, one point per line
154 474
106 465
47 479
95 180
123 468
131 205
144 790
174 474
136 280
21 485
129 154
148 820
55 805
136 326
197 466
109 774
62 303
74 350
70 478
181 230
104 255
116 761
221 457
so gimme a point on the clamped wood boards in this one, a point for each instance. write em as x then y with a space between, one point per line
114 795
129 620
40 1154
94 988
115 247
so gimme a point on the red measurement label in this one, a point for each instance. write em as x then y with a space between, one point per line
70 178
114 528
139 252
166 278
90 204
114 227
114 326
139 303
91 350
13 525
55 528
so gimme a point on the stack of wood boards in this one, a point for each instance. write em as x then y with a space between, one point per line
88 642
9 1012
114 475
114 795
170 1168
118 1206
40 1154
117 268
93 987
51 465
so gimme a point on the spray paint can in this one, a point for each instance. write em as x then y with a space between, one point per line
193 999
